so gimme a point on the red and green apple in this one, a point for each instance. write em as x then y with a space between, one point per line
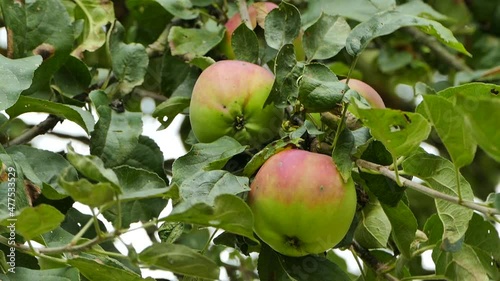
301 204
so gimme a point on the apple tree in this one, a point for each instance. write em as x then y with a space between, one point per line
324 140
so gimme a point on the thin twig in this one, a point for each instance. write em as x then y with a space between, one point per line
245 17
158 47
438 49
426 190
82 139
145 93
62 249
379 267
40 129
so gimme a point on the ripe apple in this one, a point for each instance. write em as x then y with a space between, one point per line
366 91
228 99
300 203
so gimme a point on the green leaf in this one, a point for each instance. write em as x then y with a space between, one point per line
358 10
147 155
176 74
17 76
116 134
142 197
205 156
169 232
419 8
260 157
202 62
142 210
400 132
460 265
245 44
180 8
308 127
180 259
227 212
95 15
451 128
319 89
95 269
167 110
92 167
434 230
269 265
38 220
206 186
441 175
28 104
129 61
287 71
85 192
193 42
40 28
56 274
137 183
46 167
311 268
11 187
282 25
375 228
342 154
14 17
404 226
205 202
73 78
488 262
483 235
482 115
326 37
389 21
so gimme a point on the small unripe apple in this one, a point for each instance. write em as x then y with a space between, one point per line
228 100
367 92
300 203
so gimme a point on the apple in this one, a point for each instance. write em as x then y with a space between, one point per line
367 92
228 100
300 203
257 12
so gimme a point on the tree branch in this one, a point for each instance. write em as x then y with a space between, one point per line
370 260
426 190
438 49
82 139
40 129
